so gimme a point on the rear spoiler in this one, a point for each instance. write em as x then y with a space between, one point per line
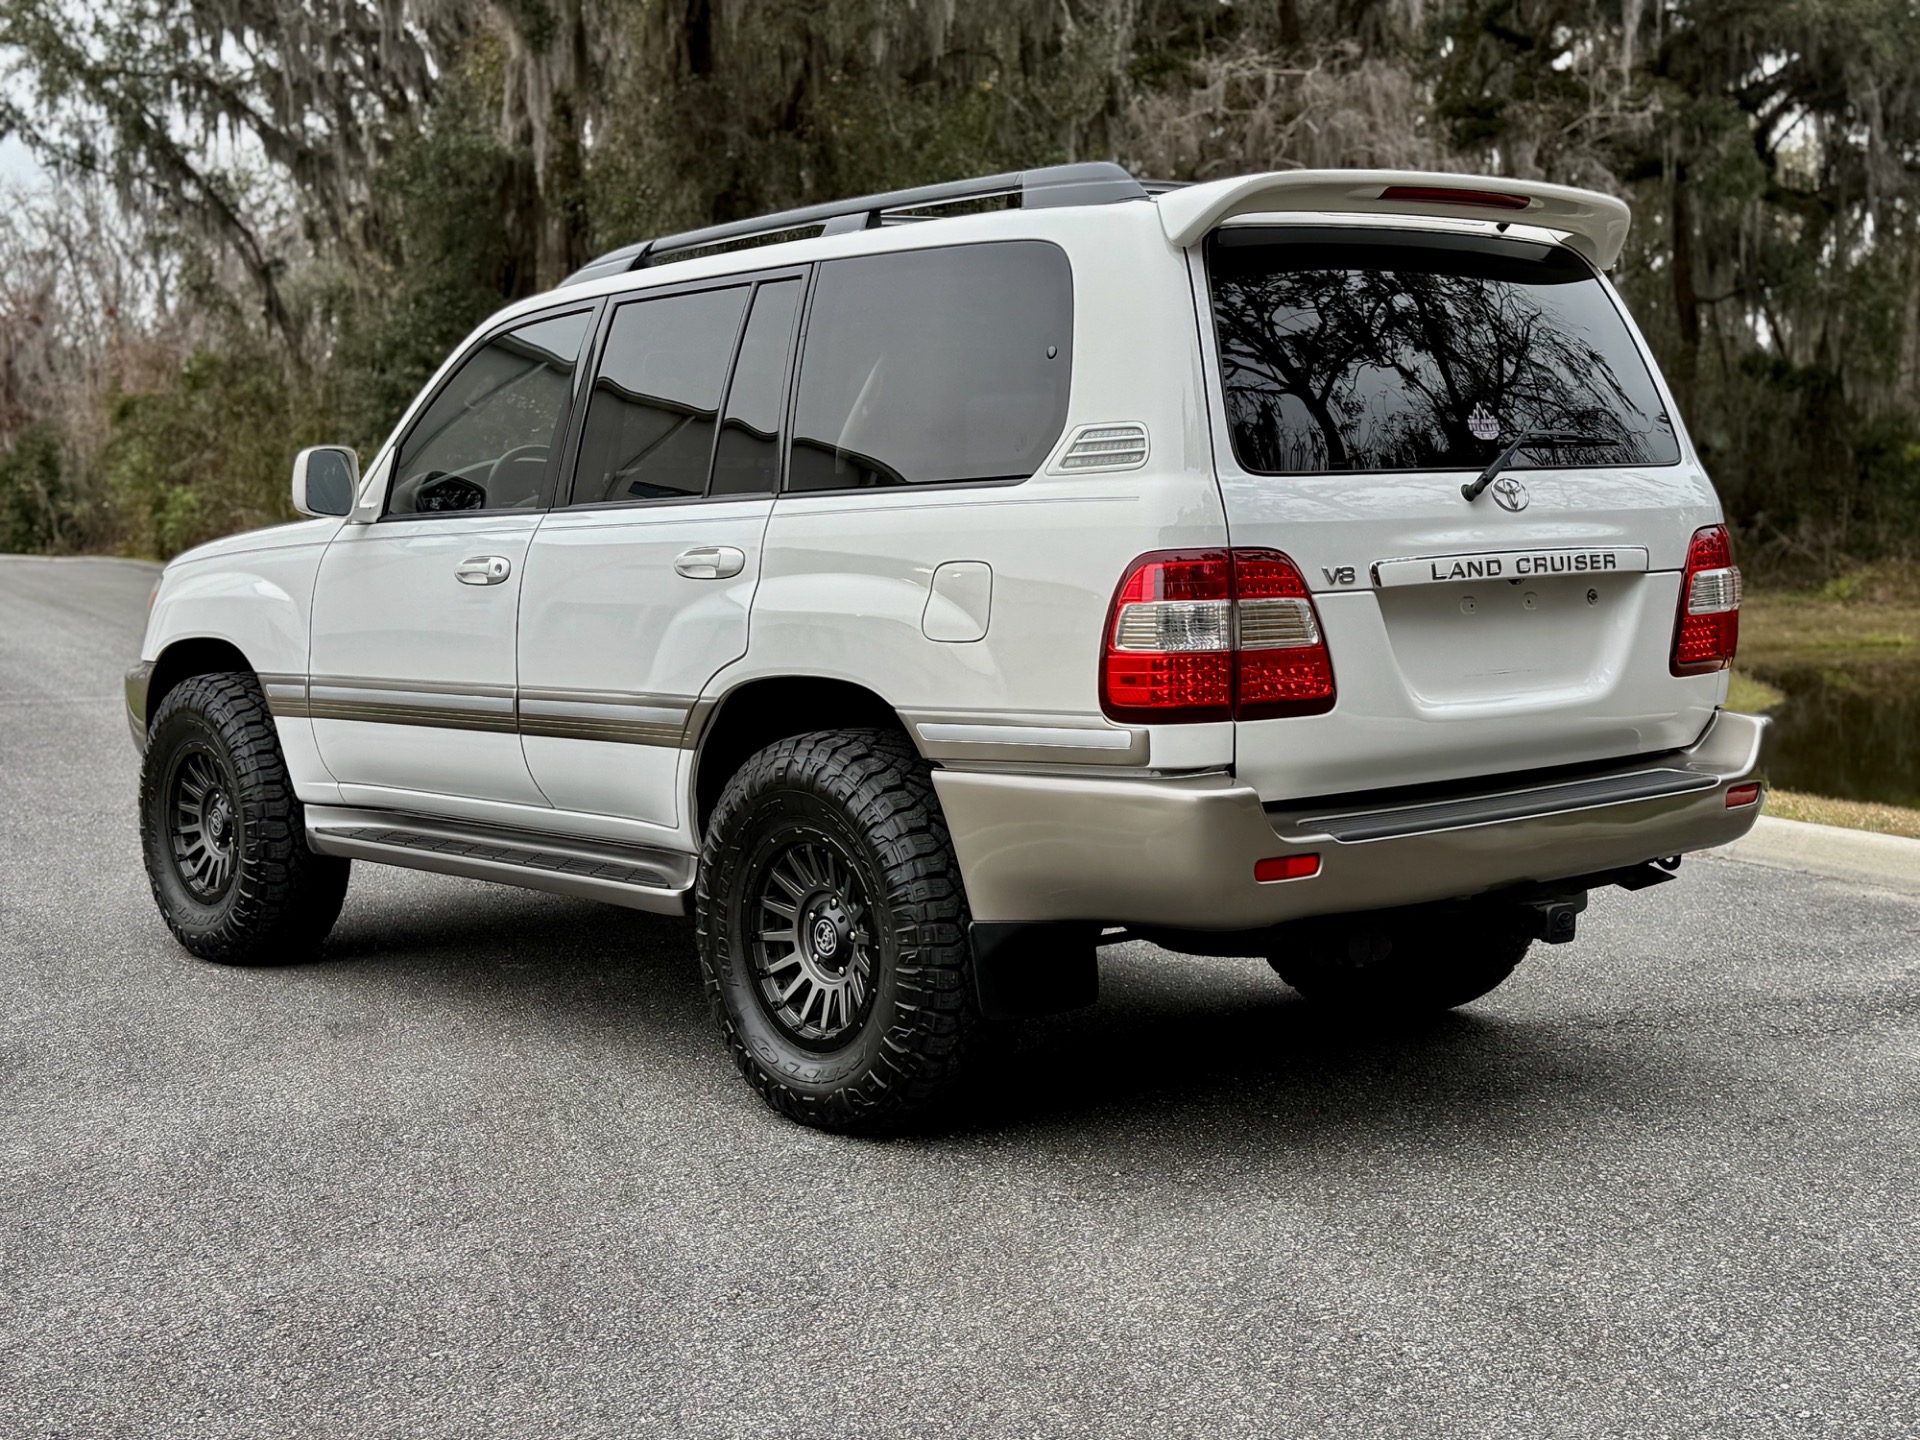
1594 224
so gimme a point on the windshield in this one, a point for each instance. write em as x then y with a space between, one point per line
1354 350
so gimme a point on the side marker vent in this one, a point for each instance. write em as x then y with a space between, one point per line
1106 447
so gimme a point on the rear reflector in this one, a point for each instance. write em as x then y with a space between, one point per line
1286 867
1445 195
1739 795
1707 632
1214 635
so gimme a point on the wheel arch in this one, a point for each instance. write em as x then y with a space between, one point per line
187 657
758 712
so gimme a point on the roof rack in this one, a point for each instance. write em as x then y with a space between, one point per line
1092 183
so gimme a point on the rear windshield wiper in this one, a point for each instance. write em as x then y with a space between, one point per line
1523 441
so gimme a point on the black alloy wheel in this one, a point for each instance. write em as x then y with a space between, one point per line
203 823
813 955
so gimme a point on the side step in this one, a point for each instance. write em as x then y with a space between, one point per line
638 877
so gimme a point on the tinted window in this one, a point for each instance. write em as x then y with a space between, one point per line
746 460
1351 351
485 440
933 365
650 421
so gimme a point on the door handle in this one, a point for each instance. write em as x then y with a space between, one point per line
710 562
483 570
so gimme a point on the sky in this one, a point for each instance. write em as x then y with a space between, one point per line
16 162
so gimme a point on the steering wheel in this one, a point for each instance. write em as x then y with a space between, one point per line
518 452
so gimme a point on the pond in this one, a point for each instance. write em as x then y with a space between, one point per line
1854 735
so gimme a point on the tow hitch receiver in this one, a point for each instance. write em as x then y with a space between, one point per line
1555 915
1555 920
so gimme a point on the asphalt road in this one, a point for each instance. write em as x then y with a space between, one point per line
482 1170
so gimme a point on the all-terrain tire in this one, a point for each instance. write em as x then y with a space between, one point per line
1404 962
224 838
843 829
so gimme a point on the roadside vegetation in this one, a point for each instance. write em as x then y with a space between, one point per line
1847 814
271 218
1838 666
1861 624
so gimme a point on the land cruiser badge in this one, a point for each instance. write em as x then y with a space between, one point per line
1482 424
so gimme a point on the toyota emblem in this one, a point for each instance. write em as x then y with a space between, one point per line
1509 494
826 939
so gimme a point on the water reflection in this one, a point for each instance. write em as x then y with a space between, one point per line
1855 736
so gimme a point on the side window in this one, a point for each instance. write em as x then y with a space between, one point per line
746 460
934 365
485 440
650 421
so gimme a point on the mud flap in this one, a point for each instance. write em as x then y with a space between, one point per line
1021 971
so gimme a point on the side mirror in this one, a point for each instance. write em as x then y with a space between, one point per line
324 479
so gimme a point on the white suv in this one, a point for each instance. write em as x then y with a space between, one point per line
1309 565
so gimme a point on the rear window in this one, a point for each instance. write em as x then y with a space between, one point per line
1349 350
933 366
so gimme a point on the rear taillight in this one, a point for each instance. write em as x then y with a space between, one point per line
1283 666
1707 631
1214 635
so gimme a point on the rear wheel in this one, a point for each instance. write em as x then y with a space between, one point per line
1405 962
833 930
224 838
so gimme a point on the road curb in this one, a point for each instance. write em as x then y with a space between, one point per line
1890 862
86 560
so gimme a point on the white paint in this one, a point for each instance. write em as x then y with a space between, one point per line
959 602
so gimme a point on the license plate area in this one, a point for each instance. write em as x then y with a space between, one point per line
1487 642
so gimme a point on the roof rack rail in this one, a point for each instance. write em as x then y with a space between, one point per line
1093 183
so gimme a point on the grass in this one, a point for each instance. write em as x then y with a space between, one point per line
1849 814
1860 631
1864 621
1751 696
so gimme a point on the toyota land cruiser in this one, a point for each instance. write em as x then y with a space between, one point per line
925 589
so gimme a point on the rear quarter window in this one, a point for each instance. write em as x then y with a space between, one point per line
1350 350
933 366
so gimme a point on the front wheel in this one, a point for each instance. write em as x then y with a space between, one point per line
833 930
1406 962
223 835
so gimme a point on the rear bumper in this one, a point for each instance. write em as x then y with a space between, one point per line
1181 852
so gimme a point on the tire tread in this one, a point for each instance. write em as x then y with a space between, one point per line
887 790
285 898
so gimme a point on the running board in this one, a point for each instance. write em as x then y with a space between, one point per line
636 876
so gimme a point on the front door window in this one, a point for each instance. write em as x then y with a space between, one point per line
486 440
